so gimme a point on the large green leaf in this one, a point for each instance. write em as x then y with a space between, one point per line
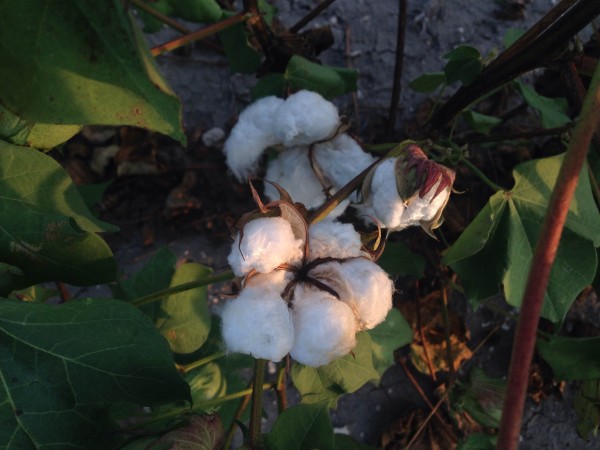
398 259
497 248
302 427
552 110
341 376
394 332
46 231
182 318
62 367
330 82
81 62
571 358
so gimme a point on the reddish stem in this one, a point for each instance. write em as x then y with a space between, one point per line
543 258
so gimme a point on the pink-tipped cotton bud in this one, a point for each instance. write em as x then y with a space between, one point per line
267 242
258 323
250 136
324 327
304 118
333 239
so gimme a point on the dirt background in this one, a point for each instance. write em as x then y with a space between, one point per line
365 39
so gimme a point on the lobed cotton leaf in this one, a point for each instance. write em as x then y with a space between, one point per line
324 327
341 159
267 243
304 118
329 238
251 135
258 323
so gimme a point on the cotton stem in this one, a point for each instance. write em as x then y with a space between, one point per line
254 439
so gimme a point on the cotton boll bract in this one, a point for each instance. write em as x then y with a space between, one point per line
258 323
304 118
250 136
267 243
324 328
333 239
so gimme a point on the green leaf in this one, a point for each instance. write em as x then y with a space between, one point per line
82 62
37 293
552 110
345 442
394 332
478 441
202 11
464 64
46 231
270 84
344 375
241 56
428 82
154 276
481 123
92 193
330 82
587 407
497 248
66 365
302 427
397 259
571 358
511 36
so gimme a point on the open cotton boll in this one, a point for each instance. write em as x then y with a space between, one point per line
341 159
333 239
292 171
387 204
369 291
324 327
426 208
250 136
274 282
258 323
304 118
267 243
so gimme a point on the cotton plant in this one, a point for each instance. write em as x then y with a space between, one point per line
307 289
407 190
316 157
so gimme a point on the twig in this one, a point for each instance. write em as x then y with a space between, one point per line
201 362
398 65
281 388
65 295
311 15
254 438
422 336
527 134
541 264
160 16
347 31
481 175
446 319
239 412
200 34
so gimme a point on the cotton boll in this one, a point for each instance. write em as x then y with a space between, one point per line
267 243
304 118
258 324
251 135
426 208
341 159
368 291
292 171
324 328
273 282
387 204
333 239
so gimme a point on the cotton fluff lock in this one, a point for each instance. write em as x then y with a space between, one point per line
333 239
267 242
324 328
258 323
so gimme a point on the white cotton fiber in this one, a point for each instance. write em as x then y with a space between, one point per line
387 205
267 242
304 118
273 282
426 208
250 136
341 159
324 328
329 238
369 291
258 324
292 171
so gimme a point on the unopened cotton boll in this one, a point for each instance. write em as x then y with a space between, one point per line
324 327
329 238
267 243
258 323
304 118
387 205
369 291
250 136
341 159
425 209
